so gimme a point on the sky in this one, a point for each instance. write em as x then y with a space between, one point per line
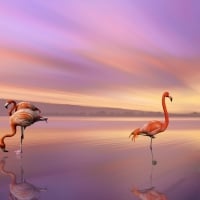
107 53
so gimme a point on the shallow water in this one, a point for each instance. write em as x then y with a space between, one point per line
93 158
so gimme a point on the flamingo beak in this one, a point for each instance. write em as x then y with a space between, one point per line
3 149
6 105
170 98
44 119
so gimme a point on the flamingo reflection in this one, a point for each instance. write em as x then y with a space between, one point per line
22 190
149 193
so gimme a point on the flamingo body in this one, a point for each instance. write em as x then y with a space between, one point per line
152 128
24 118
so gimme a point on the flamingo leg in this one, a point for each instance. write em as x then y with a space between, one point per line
151 145
22 137
154 162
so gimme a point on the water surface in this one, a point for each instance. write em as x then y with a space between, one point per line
93 158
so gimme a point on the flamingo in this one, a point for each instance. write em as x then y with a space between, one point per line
154 127
20 190
20 105
23 118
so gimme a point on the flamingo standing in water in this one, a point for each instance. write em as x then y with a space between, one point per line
23 118
154 127
18 106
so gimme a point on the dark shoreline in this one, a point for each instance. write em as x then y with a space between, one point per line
67 110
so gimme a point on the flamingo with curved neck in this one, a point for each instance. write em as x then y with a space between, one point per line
20 105
17 106
154 127
23 118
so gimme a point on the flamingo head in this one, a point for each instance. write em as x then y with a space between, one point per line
134 134
166 94
6 105
43 119
3 147
8 102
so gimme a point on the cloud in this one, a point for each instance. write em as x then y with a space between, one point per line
100 53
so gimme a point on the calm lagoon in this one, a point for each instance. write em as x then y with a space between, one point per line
93 158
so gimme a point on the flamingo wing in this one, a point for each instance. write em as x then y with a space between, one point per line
22 118
152 128
25 105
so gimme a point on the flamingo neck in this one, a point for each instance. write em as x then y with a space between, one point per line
13 107
2 143
166 122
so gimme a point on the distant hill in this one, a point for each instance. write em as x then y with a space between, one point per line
49 109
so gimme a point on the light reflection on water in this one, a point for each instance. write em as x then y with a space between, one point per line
19 188
83 158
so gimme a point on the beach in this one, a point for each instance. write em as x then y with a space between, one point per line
93 158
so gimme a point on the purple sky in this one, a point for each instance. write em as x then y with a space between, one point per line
116 53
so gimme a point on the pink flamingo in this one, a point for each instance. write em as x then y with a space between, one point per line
154 127
23 118
18 106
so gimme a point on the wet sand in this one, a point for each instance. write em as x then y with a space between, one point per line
93 158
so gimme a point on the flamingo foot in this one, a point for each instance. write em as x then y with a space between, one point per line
132 136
